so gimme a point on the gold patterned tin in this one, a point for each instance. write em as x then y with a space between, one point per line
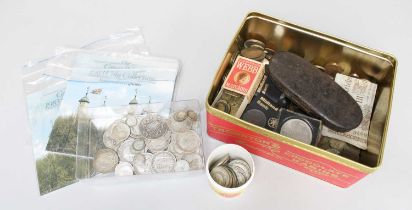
321 50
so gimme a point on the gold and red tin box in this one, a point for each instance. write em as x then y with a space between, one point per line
320 49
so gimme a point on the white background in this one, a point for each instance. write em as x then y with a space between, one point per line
198 33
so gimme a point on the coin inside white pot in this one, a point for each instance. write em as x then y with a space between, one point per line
235 152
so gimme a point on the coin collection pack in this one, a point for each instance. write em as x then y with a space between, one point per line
141 140
315 103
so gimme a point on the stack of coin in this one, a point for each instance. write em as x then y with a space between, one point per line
254 49
229 172
150 143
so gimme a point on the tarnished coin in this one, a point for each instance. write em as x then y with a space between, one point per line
105 160
195 161
125 151
297 129
180 116
182 165
192 115
253 43
123 169
163 162
119 131
221 161
242 165
253 53
143 163
153 126
188 141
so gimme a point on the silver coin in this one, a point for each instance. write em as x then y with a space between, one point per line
163 162
233 182
139 145
108 142
188 141
135 130
176 151
243 165
159 144
297 129
195 161
253 42
119 132
123 169
105 160
192 115
125 151
153 126
180 116
130 120
221 161
221 176
240 174
145 166
182 165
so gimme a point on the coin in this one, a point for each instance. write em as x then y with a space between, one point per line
221 175
188 141
125 151
192 115
108 142
297 129
153 126
243 165
123 169
332 68
119 132
182 165
240 173
253 42
233 182
221 161
105 160
180 116
163 162
145 166
195 161
139 145
178 153
131 120
179 126
159 144
253 53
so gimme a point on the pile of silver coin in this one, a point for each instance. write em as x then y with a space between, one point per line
229 172
150 143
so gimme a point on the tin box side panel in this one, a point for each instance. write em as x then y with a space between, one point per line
285 154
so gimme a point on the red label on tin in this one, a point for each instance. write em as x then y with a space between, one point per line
242 76
283 153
